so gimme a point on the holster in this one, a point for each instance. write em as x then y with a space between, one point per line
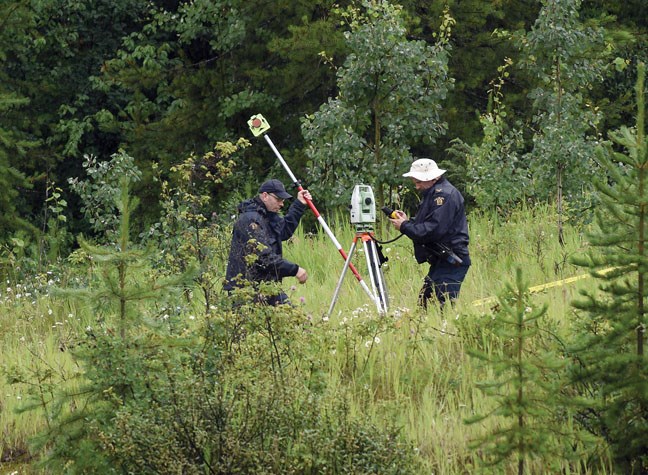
440 251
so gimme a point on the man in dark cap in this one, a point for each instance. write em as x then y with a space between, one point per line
256 250
439 232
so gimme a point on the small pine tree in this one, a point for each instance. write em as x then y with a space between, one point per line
15 19
12 149
612 363
121 355
525 387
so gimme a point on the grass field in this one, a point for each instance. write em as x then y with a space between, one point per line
408 366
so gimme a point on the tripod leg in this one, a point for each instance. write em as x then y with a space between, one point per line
375 273
377 277
380 278
347 262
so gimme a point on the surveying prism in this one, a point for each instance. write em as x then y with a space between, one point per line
363 217
258 125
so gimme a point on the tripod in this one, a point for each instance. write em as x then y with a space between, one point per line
374 264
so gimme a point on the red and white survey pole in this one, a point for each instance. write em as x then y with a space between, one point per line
259 126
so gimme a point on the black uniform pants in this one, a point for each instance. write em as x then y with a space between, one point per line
443 283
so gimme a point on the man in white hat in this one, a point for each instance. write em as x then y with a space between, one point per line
439 232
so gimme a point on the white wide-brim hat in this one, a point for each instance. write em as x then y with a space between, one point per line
424 169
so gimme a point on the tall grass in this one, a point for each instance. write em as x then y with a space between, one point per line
528 239
420 370
409 365
36 331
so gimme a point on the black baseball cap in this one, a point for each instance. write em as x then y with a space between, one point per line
276 187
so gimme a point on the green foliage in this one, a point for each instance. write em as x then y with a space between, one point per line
389 97
14 143
309 390
114 353
477 53
245 400
548 157
566 57
70 46
13 148
499 179
612 365
51 56
361 333
101 191
190 230
56 241
194 72
525 385
167 79
239 393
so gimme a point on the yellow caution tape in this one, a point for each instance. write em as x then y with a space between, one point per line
540 288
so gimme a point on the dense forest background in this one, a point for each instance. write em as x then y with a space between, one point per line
510 96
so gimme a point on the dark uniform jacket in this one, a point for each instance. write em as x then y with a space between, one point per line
256 250
440 218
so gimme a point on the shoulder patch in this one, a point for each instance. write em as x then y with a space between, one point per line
439 200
